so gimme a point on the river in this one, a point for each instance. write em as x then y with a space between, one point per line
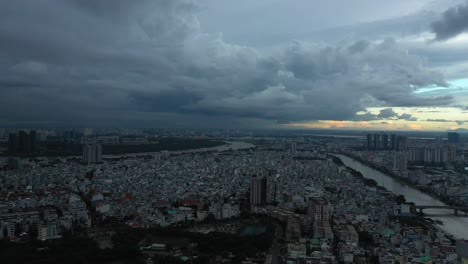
454 225
230 145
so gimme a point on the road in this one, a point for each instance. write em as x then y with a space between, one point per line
274 253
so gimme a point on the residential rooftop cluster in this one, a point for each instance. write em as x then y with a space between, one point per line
432 165
324 211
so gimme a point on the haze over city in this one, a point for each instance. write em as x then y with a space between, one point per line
385 65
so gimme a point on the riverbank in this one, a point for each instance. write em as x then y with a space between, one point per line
75 149
455 227
424 220
227 146
401 179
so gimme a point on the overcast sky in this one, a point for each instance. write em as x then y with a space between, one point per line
361 64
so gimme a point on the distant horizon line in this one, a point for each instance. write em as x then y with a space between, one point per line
461 130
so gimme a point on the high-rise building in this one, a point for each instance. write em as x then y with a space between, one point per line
271 191
373 142
384 142
258 190
400 161
416 155
451 153
369 145
71 136
318 209
293 227
400 143
41 135
22 143
392 141
376 139
291 147
453 138
92 153
13 143
32 140
432 155
88 132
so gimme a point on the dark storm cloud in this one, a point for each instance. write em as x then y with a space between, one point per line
407 117
458 122
385 114
91 61
454 21
439 120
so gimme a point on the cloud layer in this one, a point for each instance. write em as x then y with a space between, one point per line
454 21
385 114
138 62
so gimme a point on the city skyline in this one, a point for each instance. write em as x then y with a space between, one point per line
197 64
234 132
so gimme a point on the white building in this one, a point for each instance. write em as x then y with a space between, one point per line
92 153
229 210
87 131
48 231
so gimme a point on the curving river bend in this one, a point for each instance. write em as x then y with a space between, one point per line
454 225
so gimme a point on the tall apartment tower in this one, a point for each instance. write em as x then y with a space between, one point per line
453 138
384 141
290 147
400 144
400 161
22 142
13 143
270 191
92 153
369 145
258 191
318 209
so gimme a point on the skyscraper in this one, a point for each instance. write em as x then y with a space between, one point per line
92 153
453 138
22 143
376 141
270 191
392 141
87 131
13 143
385 141
318 209
32 140
400 143
290 147
432 155
400 160
258 190
451 153
369 145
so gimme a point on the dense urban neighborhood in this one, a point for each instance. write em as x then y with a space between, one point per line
272 200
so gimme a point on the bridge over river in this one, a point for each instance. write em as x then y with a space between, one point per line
451 223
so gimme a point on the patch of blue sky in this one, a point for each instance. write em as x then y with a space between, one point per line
454 86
